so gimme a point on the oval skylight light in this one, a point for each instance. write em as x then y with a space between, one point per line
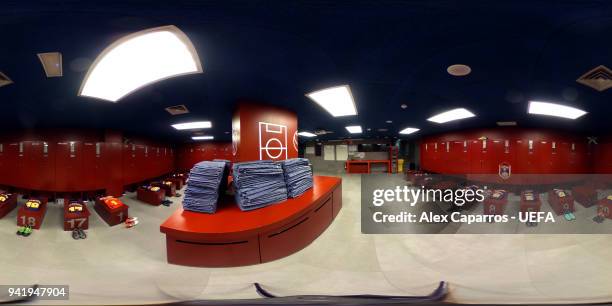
139 59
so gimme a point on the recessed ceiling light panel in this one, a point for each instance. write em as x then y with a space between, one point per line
552 109
138 60
203 137
338 101
459 70
52 63
307 134
354 129
193 125
4 80
451 115
409 130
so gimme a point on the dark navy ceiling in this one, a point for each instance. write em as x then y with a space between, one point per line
389 52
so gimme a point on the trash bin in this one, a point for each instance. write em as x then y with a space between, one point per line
400 165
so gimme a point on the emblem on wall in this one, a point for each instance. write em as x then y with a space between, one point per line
272 141
505 170
295 141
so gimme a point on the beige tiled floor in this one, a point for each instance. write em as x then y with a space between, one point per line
116 265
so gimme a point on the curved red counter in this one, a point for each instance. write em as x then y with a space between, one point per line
232 237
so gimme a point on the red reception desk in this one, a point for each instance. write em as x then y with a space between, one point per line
232 237
365 166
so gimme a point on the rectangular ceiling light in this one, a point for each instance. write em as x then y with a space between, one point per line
552 109
338 101
193 125
307 134
354 129
409 130
203 137
4 80
451 115
52 63
140 59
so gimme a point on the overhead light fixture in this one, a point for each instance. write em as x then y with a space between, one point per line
506 123
389 121
203 137
307 134
139 59
52 63
459 70
193 125
552 109
4 80
354 129
409 130
451 115
338 101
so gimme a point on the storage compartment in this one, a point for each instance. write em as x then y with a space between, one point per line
149 196
8 202
585 195
298 234
111 215
212 253
33 218
73 218
561 201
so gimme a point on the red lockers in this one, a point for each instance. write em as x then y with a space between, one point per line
93 171
526 151
69 163
40 165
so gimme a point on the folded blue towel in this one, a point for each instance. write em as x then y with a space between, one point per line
298 176
259 184
206 181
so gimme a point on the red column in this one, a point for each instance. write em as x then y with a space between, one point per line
263 132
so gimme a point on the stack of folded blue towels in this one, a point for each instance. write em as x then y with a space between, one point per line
259 184
205 183
298 176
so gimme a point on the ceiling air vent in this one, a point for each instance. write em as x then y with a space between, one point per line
177 110
599 78
506 123
4 80
52 63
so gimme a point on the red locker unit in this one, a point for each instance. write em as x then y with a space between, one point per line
74 219
168 186
585 195
560 201
530 201
496 202
8 202
111 210
150 196
68 161
33 218
604 207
